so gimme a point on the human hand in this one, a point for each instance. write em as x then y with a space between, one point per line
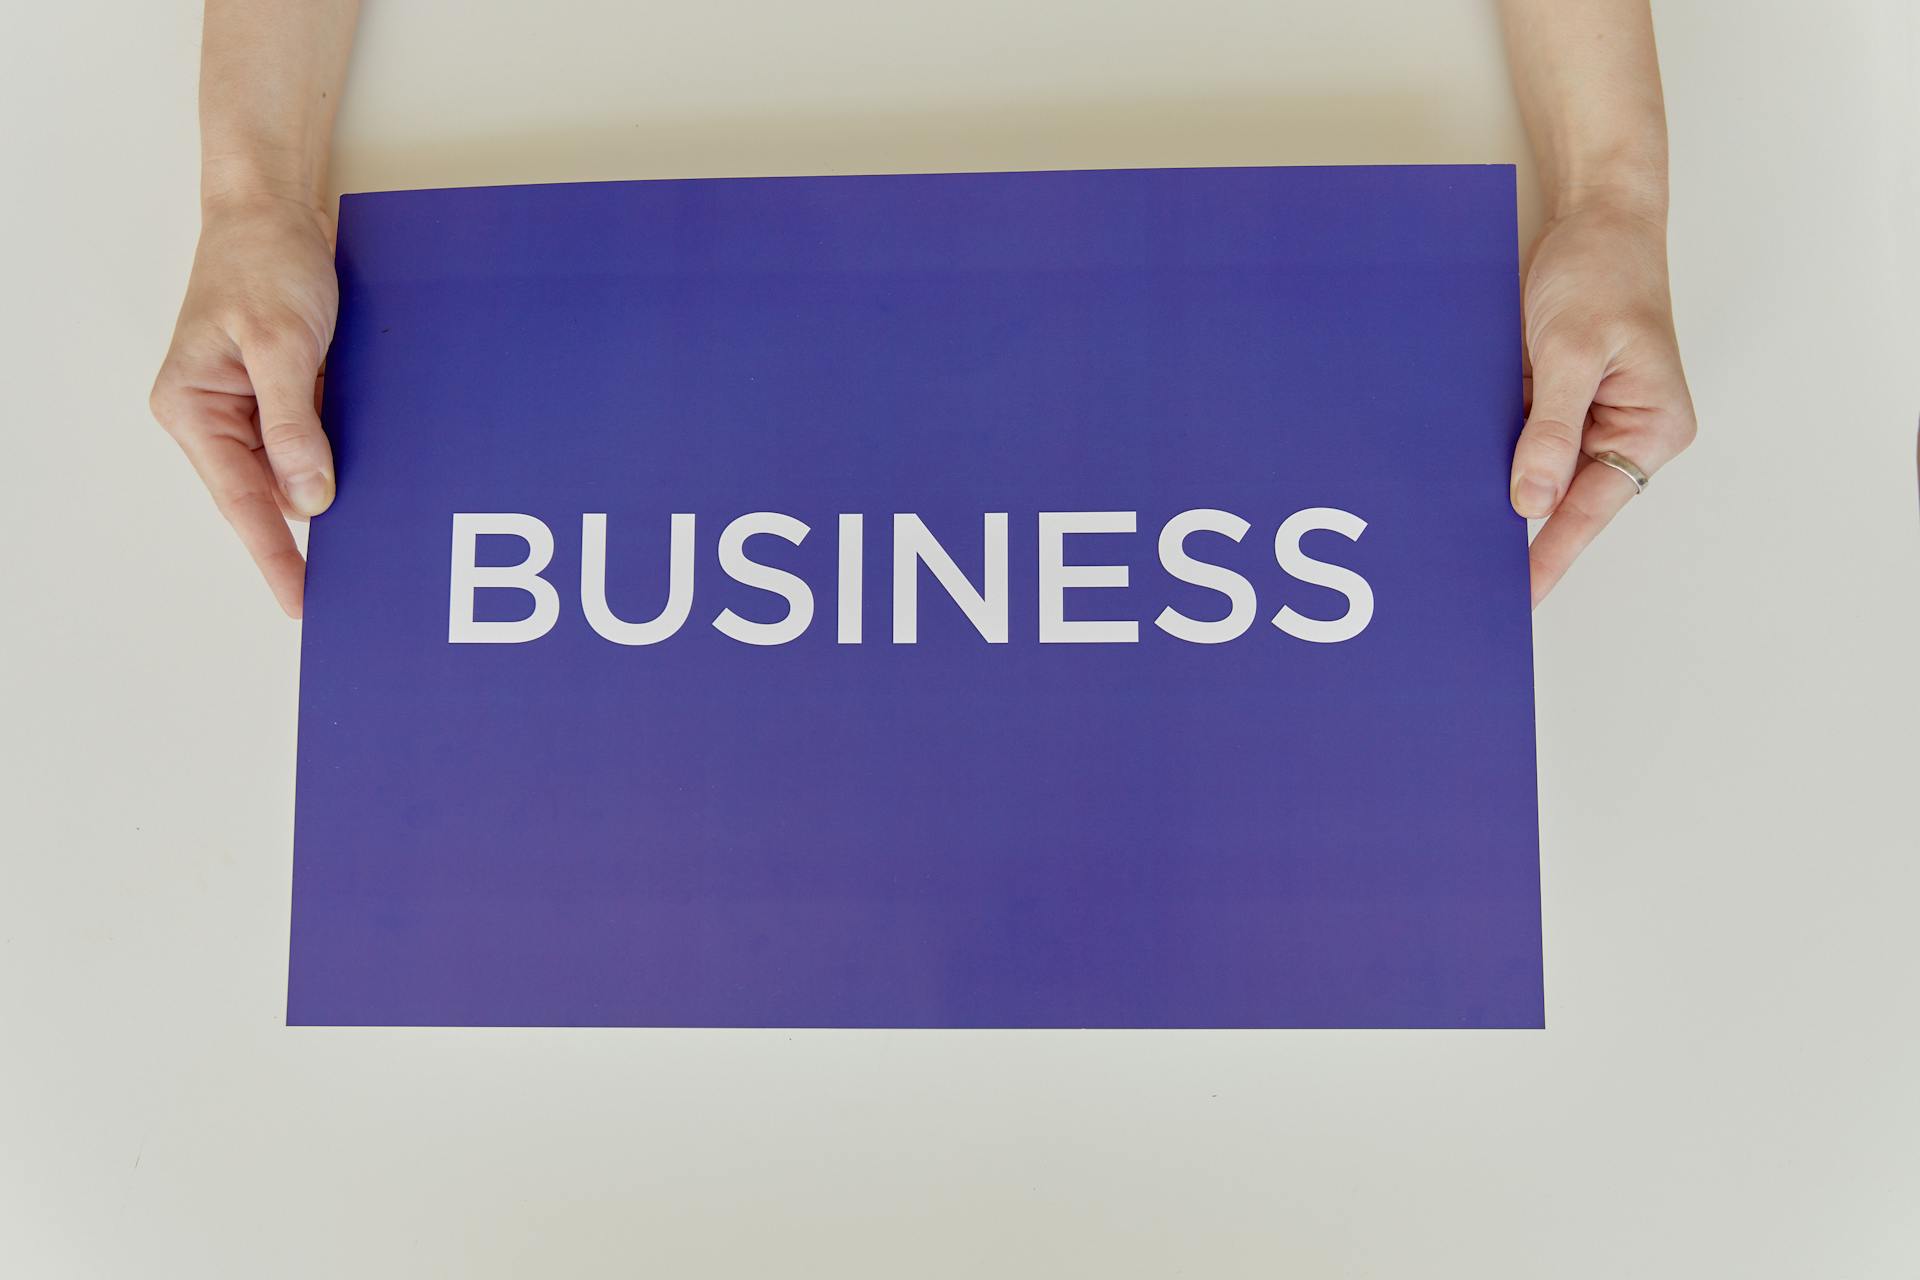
1606 375
239 387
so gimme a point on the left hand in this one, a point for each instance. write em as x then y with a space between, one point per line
1606 376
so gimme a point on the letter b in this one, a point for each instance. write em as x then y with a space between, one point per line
468 577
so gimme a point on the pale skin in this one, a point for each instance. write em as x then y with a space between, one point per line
239 387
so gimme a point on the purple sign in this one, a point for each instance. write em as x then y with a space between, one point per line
967 600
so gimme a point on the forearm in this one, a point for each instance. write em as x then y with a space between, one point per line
271 72
1588 81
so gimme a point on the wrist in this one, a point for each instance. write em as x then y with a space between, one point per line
1632 184
253 183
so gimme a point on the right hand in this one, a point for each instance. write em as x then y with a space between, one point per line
239 388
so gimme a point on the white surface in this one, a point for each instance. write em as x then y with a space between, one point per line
1728 694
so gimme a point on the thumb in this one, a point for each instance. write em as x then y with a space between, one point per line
1549 447
283 371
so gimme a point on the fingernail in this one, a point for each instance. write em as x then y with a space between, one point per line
310 492
1532 496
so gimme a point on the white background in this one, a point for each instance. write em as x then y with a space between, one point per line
1729 690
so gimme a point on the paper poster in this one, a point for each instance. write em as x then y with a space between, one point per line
1078 599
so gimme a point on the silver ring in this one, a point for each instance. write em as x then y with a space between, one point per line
1626 467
